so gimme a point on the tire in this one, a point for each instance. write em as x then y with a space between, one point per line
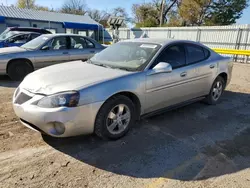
103 120
211 99
17 70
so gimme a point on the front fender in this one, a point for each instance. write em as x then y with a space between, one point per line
133 83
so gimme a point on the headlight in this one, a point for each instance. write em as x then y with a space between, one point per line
68 99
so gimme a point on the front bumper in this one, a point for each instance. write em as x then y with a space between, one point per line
56 122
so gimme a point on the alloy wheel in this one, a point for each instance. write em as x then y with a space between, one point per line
118 119
217 90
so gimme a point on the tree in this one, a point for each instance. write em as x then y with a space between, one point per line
26 4
193 12
31 4
77 7
163 8
153 14
99 16
225 12
145 15
211 12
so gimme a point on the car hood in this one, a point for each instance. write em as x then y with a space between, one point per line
68 76
10 50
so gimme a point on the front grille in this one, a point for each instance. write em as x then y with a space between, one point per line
22 98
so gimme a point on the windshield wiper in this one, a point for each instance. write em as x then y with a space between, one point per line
98 64
123 68
107 66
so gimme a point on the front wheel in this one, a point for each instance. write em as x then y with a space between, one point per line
17 70
216 91
115 118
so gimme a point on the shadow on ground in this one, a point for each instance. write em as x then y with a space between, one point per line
193 142
5 81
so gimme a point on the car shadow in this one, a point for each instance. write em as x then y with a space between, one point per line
182 144
5 81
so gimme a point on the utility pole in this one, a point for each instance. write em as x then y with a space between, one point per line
161 13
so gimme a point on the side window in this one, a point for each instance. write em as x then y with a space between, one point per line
58 43
33 36
20 39
174 55
206 52
89 44
80 43
195 54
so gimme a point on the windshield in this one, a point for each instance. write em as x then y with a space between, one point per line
126 55
7 34
35 43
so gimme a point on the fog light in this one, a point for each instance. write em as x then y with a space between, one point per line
58 128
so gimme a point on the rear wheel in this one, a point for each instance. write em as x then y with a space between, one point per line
17 70
115 118
216 91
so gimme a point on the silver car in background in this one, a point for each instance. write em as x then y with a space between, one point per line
45 50
127 80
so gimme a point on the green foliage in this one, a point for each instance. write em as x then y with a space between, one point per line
31 4
145 15
188 12
24 4
225 12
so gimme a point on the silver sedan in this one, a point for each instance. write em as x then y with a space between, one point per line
46 50
122 83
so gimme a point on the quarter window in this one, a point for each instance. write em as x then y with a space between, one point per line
195 53
174 55
89 44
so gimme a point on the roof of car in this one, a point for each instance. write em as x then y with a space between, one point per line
161 41
61 34
29 29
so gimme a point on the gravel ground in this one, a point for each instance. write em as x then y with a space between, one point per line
195 146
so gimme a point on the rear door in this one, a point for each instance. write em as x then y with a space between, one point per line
81 48
57 52
199 70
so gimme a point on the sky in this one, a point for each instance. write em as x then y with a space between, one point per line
110 4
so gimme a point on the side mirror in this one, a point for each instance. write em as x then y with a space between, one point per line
161 67
45 48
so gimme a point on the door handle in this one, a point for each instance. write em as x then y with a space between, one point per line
65 52
183 74
212 66
92 51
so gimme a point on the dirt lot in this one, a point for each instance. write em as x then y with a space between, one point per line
195 146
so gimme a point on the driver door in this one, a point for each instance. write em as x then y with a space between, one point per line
166 89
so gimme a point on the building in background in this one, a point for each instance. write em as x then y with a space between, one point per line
52 21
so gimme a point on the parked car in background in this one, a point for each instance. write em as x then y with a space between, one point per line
46 50
18 39
27 29
129 79
17 36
